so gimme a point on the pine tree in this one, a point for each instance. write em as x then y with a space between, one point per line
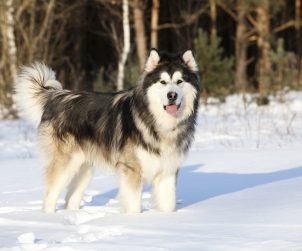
216 71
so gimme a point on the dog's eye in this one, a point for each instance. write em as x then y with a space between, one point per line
179 81
163 82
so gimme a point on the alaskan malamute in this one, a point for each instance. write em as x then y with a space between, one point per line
143 132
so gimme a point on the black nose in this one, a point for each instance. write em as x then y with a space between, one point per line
172 96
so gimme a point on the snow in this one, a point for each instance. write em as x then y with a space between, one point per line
240 188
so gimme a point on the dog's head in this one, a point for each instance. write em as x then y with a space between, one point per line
171 83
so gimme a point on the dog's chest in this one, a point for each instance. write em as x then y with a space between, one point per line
152 164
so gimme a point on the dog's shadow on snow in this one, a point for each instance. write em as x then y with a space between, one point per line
195 186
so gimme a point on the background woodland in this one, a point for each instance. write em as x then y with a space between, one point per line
242 46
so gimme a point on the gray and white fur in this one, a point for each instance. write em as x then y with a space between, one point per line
143 133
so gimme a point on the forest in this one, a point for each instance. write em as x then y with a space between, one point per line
242 46
239 185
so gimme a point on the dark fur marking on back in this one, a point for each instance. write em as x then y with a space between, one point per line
92 117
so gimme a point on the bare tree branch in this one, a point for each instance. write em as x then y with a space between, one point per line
188 19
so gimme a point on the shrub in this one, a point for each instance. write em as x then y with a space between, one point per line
284 68
216 71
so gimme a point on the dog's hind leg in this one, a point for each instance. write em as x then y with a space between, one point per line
78 186
130 190
59 173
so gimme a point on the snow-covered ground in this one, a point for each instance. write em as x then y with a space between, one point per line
240 188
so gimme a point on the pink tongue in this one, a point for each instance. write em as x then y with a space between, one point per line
171 109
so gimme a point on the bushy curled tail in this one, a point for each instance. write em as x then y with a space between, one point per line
34 84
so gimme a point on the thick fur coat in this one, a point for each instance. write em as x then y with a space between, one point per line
143 133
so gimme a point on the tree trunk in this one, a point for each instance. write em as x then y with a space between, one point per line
126 48
213 12
11 42
298 37
154 23
264 65
140 38
8 60
241 47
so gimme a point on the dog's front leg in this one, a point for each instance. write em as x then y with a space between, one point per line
164 191
130 190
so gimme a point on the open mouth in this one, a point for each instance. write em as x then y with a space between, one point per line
172 108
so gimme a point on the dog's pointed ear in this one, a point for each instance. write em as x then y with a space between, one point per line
189 60
152 60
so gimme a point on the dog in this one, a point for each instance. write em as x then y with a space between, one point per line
143 133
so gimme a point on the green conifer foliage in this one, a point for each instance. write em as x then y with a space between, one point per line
216 71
